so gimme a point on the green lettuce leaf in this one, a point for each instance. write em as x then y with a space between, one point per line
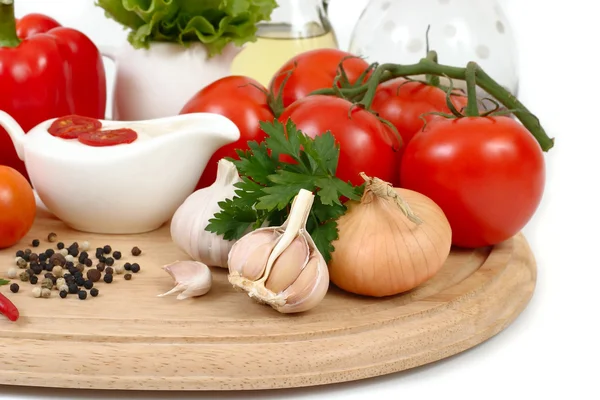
215 23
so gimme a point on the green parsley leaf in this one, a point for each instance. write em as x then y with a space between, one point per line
4 282
269 186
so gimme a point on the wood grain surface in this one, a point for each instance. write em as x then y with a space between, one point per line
128 338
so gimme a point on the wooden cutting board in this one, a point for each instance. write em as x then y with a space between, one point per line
128 338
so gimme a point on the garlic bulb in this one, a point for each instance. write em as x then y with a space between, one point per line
192 279
191 218
281 266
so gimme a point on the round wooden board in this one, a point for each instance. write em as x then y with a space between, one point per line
128 338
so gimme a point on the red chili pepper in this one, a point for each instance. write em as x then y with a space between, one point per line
46 71
8 309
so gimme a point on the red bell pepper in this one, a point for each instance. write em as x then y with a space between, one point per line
46 71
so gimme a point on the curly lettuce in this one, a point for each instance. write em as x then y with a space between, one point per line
215 23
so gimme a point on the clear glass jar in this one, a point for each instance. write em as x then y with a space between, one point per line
296 26
460 31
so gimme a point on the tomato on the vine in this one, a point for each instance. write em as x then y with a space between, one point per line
403 103
314 70
241 99
17 207
366 144
486 173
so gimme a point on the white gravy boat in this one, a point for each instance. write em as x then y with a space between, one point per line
123 189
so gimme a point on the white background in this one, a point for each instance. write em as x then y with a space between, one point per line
552 349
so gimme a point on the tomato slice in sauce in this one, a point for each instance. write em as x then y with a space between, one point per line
71 126
108 137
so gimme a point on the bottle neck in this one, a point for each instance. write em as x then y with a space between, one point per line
297 19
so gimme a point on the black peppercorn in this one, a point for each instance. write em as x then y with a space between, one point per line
107 249
14 288
60 245
63 294
88 284
42 257
83 256
73 288
127 267
26 257
100 267
82 295
69 264
20 253
110 261
77 274
127 277
48 275
88 262
73 271
33 257
73 251
33 279
94 275
117 255
94 292
74 245
69 278
49 252
35 243
108 278
135 268
48 267
136 251
37 269
102 259
80 281
109 271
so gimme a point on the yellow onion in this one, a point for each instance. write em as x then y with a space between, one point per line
390 241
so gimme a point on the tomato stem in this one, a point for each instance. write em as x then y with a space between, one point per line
8 26
386 72
472 109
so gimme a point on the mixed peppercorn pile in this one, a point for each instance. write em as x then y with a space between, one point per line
70 270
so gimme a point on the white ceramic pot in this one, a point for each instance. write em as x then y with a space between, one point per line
157 82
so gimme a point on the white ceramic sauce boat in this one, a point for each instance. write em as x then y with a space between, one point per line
123 189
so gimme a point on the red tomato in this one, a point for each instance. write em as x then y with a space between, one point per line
366 145
109 137
17 207
487 175
402 103
314 70
71 126
244 101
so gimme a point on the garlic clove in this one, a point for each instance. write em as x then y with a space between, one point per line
288 265
255 265
237 259
309 289
192 279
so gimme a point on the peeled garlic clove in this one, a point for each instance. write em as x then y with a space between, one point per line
287 266
192 279
295 277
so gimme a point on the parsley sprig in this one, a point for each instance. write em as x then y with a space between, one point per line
269 185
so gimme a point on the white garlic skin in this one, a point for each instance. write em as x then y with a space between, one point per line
192 279
191 218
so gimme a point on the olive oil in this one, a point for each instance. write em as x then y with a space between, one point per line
275 46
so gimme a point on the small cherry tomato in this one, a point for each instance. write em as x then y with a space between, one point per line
17 207
109 137
71 126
